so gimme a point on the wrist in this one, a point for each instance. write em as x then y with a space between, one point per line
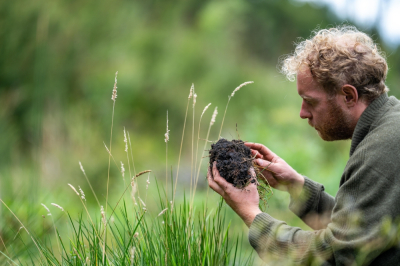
297 186
249 216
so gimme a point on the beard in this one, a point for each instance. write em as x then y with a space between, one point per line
337 124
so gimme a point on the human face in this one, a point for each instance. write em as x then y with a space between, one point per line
326 113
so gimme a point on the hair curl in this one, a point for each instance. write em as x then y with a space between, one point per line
340 56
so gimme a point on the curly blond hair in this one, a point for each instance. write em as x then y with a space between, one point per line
340 56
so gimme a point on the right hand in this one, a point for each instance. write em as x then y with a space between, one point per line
244 201
277 172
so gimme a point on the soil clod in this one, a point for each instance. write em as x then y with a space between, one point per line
233 161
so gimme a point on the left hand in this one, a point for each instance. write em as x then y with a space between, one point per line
245 201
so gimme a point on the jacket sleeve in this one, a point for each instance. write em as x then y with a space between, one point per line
354 235
313 205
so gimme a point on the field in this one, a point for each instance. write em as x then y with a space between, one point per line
57 118
143 217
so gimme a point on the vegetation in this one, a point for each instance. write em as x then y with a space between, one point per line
181 236
57 61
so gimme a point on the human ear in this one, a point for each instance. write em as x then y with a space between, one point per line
350 95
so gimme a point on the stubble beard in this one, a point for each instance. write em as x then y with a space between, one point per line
337 126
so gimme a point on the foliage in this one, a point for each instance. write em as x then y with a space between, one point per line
177 237
57 59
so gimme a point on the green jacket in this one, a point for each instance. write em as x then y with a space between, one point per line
358 226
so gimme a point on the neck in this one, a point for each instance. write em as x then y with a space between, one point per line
357 111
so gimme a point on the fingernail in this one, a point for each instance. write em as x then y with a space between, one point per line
214 163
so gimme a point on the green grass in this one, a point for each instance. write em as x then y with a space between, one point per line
177 236
130 231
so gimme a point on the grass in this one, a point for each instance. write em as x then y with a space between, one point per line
127 232
170 238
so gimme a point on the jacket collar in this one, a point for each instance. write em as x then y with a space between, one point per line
366 119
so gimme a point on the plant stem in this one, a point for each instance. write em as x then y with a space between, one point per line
191 165
223 118
23 227
180 152
108 179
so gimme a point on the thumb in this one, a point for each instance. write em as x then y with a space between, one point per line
263 163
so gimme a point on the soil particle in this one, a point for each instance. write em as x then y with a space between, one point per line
233 161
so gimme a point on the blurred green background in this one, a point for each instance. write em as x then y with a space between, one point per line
57 65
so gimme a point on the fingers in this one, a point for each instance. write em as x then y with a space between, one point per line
256 154
267 173
252 172
264 151
267 166
212 184
219 184
263 163
267 177
253 176
222 183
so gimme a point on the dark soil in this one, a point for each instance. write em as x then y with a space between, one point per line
233 161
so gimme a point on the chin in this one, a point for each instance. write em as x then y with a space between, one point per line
325 137
328 137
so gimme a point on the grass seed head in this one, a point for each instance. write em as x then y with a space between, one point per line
122 170
214 116
194 99
82 194
48 211
107 149
74 189
103 215
162 212
205 109
58 206
240 86
148 182
142 202
142 173
166 135
126 141
83 170
191 91
114 92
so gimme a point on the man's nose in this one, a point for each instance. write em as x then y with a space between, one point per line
304 113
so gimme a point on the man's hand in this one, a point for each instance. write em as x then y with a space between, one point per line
243 201
276 171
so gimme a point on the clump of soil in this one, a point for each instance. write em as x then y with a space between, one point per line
233 161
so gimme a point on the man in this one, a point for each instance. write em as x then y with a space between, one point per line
341 79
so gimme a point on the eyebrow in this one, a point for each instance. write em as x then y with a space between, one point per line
310 99
307 97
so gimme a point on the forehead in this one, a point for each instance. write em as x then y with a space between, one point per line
307 86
